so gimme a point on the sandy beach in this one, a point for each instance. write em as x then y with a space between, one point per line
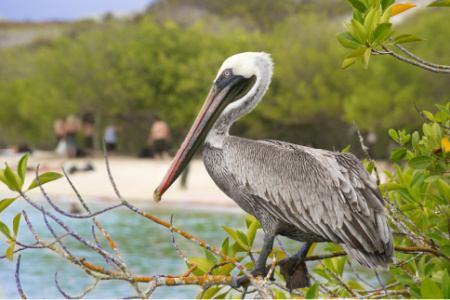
135 178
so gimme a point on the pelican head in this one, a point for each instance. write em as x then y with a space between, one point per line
240 84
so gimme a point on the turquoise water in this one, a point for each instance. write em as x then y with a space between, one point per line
145 246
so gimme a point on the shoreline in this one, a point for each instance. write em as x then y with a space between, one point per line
135 178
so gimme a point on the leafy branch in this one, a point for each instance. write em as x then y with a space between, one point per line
370 33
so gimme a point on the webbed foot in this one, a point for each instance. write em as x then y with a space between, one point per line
295 272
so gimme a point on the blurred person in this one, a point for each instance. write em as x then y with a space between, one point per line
60 132
88 130
110 138
72 127
159 139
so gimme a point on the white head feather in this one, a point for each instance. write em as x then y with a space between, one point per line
247 64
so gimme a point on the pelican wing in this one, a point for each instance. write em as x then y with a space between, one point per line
328 193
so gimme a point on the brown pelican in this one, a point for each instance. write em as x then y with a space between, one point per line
309 195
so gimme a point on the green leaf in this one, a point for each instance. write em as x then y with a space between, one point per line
361 33
340 265
348 41
429 115
10 251
386 16
209 256
5 203
44 178
346 149
445 285
313 291
397 154
390 187
355 285
367 54
5 230
252 231
420 162
13 180
222 296
370 21
382 32
356 4
242 237
386 3
444 110
210 292
445 250
429 268
226 270
415 292
417 180
322 273
432 178
22 167
430 290
203 265
358 16
405 279
415 139
16 222
406 38
443 187
393 134
439 3
353 57
225 245
235 236
249 220
370 166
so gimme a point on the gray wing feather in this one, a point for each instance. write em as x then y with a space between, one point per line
329 193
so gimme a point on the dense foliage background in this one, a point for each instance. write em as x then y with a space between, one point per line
164 60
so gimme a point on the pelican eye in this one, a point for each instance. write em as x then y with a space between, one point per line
227 73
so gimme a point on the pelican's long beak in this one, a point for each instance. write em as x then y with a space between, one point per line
218 98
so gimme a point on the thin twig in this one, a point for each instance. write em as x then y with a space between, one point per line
415 63
406 261
345 286
366 153
282 246
194 265
426 118
377 290
86 291
359 276
19 286
422 61
381 283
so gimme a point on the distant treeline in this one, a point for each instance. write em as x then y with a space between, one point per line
164 61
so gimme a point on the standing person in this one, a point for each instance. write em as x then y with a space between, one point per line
72 127
60 132
88 129
159 138
110 138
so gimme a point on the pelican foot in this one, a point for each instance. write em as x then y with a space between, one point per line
243 281
295 272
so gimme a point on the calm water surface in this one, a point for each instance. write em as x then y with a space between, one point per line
145 246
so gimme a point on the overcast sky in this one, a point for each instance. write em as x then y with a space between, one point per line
65 10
